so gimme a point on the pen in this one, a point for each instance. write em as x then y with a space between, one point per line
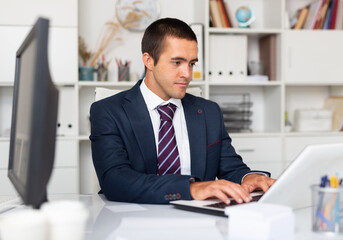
337 205
323 182
325 217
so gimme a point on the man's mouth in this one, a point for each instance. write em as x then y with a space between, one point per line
182 84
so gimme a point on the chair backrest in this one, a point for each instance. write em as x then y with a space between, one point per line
101 93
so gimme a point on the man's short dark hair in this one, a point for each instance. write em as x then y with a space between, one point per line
158 31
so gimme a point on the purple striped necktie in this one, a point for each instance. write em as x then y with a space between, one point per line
168 154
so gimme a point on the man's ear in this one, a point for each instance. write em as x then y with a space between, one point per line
148 61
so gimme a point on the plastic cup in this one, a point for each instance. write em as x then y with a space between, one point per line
67 219
327 204
24 224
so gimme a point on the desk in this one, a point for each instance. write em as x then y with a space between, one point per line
107 217
128 221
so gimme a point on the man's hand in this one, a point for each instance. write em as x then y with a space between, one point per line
221 189
254 181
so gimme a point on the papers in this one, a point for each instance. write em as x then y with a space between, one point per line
126 208
166 228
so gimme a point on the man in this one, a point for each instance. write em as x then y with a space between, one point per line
155 143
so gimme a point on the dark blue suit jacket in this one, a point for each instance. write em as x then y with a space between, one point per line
124 152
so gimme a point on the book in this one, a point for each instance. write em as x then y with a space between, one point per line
329 14
314 9
332 20
293 20
267 47
229 16
223 15
321 15
339 15
214 14
302 17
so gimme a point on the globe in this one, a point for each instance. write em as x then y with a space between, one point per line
244 16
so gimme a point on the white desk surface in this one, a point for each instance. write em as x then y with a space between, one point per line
126 221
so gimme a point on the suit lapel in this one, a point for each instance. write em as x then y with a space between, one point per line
139 119
196 128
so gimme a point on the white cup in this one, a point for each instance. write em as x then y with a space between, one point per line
28 224
67 219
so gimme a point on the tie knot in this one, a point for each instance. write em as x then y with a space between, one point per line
166 111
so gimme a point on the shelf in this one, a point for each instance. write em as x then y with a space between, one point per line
197 83
6 84
247 83
313 134
254 134
125 84
59 84
58 138
310 30
247 31
304 84
66 137
4 139
105 84
65 84
84 138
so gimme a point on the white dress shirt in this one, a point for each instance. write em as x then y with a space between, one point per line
179 123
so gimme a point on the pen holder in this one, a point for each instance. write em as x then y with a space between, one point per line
86 73
123 73
327 206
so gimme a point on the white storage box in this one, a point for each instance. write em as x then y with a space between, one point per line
260 221
312 120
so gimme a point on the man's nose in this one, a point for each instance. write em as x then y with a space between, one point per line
187 71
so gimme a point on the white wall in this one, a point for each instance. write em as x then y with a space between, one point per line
16 20
93 14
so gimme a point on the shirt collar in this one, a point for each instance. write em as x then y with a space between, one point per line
152 100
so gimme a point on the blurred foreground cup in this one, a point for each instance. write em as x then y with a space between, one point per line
28 224
67 219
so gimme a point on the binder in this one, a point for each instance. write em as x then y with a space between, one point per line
267 47
198 69
228 58
66 122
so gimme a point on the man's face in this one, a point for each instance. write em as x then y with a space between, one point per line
173 71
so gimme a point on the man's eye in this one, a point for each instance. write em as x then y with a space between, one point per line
192 64
176 62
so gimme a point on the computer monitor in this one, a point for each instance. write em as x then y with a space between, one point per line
34 118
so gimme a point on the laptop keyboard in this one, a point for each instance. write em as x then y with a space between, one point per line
232 203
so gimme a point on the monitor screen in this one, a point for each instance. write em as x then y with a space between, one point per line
34 118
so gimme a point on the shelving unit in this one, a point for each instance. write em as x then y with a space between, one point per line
313 75
15 24
307 72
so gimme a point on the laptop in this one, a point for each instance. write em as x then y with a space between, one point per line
292 188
